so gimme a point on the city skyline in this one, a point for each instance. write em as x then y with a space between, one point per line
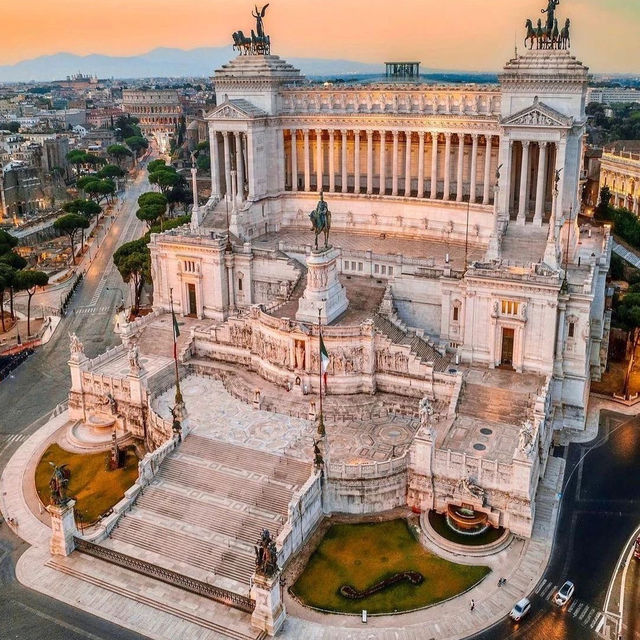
475 39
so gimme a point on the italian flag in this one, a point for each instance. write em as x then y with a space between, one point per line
324 360
176 333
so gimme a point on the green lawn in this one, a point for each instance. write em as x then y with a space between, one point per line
94 488
363 554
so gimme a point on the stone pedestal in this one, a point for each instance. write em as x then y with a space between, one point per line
323 291
269 614
63 528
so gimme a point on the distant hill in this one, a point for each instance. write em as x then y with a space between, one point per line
161 62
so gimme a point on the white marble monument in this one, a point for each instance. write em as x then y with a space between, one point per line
323 292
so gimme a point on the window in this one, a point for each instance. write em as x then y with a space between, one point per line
346 265
572 329
510 307
376 268
456 314
384 269
390 271
239 284
360 266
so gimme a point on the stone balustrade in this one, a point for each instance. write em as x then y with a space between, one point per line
367 471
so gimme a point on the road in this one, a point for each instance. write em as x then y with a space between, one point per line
35 388
600 509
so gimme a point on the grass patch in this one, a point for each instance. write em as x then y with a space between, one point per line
364 554
94 488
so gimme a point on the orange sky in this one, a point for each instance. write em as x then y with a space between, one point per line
452 34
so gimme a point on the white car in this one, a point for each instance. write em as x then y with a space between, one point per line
520 610
564 593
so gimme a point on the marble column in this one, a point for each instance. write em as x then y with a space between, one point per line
474 168
356 161
332 161
227 164
294 160
382 187
394 175
447 166
307 162
524 183
421 135
319 160
487 171
239 167
369 162
343 161
460 172
542 181
216 187
407 164
434 165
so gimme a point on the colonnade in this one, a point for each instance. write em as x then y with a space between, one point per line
532 166
446 166
625 189
229 167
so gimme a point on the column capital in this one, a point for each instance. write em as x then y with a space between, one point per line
543 143
474 136
408 133
225 134
344 132
447 135
526 143
395 133
331 132
319 132
369 133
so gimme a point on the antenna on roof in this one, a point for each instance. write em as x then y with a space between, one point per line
515 44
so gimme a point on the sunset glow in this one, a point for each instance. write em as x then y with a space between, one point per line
459 34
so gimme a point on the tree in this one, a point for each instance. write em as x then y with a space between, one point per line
203 163
111 171
155 165
166 179
133 261
86 208
118 152
7 242
77 158
28 280
137 144
6 277
16 262
70 225
12 126
602 210
152 197
96 188
127 127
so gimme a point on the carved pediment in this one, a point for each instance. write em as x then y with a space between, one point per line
235 110
538 115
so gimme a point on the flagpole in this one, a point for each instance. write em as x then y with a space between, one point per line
178 398
321 430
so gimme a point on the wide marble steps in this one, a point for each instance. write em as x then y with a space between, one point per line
494 404
206 507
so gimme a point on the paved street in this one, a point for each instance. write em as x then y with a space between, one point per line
600 510
35 388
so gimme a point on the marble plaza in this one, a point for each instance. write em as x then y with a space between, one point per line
462 309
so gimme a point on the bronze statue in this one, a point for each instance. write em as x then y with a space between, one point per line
258 15
551 13
321 221
266 555
176 427
259 43
318 460
58 484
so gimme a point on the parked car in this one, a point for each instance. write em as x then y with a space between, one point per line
564 593
520 610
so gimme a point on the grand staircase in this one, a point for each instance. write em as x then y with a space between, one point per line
206 508
495 404
418 346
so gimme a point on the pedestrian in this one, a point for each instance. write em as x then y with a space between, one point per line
473 604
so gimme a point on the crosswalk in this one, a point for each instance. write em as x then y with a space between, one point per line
582 612
92 309
7 439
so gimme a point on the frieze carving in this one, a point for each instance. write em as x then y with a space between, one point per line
241 335
535 118
392 361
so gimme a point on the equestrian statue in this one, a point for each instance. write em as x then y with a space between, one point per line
58 484
259 43
548 36
321 221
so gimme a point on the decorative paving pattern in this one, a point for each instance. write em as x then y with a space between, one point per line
214 413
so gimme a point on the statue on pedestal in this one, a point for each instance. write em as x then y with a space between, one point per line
321 221
75 346
266 555
58 484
